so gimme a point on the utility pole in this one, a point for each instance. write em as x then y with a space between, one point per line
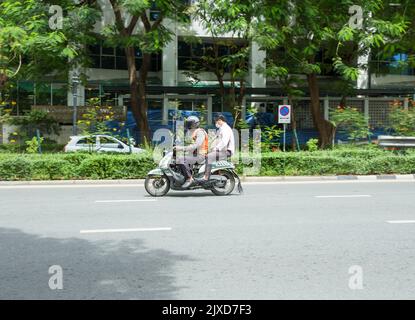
75 82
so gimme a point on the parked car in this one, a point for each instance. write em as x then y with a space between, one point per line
99 143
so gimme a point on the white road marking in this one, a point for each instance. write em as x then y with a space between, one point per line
347 196
401 221
118 201
124 230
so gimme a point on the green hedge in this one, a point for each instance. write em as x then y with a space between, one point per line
111 166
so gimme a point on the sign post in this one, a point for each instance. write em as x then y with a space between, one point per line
284 117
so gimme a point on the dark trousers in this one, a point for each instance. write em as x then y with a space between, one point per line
186 162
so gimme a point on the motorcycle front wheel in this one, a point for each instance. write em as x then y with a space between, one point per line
157 186
223 189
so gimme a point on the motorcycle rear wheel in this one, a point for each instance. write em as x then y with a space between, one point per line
228 187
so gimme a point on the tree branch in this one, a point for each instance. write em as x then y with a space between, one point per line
146 22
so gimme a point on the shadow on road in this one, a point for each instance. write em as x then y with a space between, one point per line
192 194
91 270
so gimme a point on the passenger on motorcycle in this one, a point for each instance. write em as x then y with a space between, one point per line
195 152
224 148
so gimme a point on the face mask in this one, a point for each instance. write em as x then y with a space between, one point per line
217 125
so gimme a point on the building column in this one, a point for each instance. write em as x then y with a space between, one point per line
366 108
326 108
209 110
169 67
256 80
165 119
363 77
257 58
169 63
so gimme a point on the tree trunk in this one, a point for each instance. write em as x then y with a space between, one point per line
293 124
324 128
138 95
143 106
3 80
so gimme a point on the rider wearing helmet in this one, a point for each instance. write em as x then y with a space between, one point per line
195 152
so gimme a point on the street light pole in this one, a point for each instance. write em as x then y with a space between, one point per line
75 82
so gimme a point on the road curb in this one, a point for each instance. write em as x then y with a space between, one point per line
397 177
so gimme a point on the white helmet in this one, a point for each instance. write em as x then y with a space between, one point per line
192 122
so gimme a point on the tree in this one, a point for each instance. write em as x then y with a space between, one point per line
227 21
314 25
223 57
30 48
133 29
399 10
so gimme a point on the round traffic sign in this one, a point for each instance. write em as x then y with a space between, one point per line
285 111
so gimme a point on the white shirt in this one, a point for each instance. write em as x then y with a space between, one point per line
226 139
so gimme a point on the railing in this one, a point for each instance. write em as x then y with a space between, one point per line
396 142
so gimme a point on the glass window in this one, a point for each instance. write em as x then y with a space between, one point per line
184 49
86 141
59 94
155 104
184 63
108 51
197 50
223 51
43 94
107 142
120 52
96 61
155 62
107 62
95 49
121 63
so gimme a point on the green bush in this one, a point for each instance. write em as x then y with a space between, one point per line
336 162
342 161
15 168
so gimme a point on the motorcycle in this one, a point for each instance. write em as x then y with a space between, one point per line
168 175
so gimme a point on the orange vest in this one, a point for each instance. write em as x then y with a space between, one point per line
205 146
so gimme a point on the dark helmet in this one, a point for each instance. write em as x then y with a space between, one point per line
192 122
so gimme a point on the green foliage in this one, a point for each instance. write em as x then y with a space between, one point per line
270 138
312 144
402 121
34 145
95 119
340 161
48 146
347 162
351 121
28 45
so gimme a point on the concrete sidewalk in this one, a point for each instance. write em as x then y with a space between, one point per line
406 177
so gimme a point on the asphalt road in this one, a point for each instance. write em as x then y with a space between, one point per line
276 241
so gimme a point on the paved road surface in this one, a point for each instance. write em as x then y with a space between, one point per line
277 241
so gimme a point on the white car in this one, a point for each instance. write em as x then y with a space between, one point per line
99 143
